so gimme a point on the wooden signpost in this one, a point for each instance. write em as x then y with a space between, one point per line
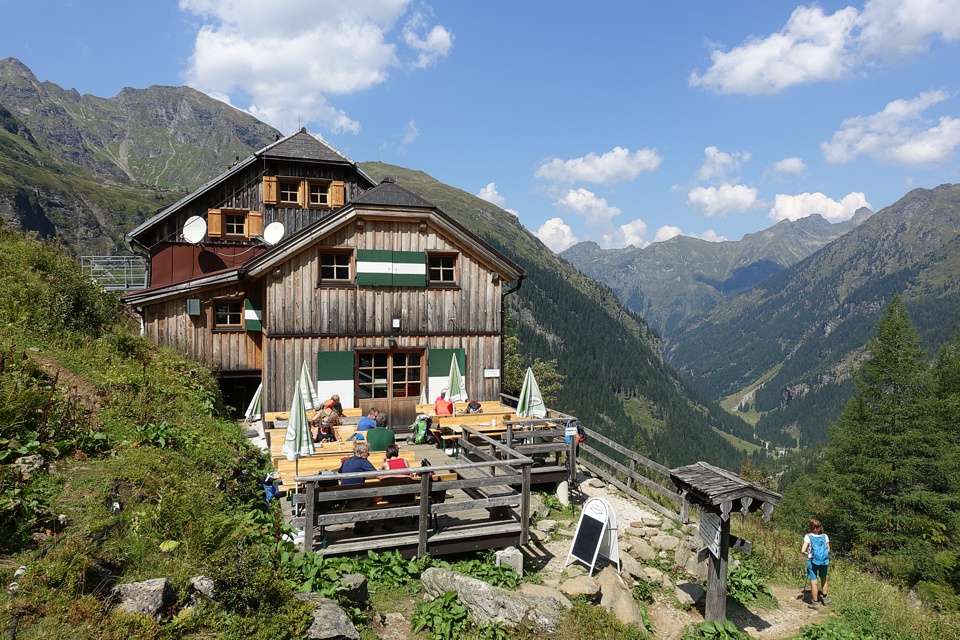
718 493
596 535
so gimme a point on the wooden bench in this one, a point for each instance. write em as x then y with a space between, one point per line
275 438
273 416
473 419
486 405
316 464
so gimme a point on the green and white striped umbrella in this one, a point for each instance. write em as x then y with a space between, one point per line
298 441
308 391
455 386
253 411
530 403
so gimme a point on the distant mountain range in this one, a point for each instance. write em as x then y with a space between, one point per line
670 282
85 170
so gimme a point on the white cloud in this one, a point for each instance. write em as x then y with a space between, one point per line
720 165
557 235
811 47
317 49
896 135
616 165
816 47
666 232
788 167
411 133
585 203
491 195
719 201
633 233
787 207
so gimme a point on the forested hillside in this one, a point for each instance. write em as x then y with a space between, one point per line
787 348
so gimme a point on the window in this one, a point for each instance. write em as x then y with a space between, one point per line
406 375
303 192
335 267
442 269
229 315
289 191
235 224
372 372
318 194
382 375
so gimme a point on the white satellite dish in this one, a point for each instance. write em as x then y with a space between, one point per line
273 233
194 229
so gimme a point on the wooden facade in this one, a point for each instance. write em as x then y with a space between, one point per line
374 287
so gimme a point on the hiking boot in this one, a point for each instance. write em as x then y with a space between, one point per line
825 599
814 605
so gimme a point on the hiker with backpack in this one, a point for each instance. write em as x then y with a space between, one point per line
816 547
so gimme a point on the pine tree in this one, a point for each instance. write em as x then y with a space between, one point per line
888 479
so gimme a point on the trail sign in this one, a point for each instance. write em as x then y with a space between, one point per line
710 532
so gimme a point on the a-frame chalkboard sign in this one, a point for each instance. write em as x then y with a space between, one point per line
596 535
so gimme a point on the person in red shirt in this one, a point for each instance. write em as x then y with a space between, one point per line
442 406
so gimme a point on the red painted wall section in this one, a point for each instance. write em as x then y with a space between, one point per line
173 262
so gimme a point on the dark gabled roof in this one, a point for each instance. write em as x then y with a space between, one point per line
303 145
389 193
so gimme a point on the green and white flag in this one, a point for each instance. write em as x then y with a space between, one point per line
392 268
252 315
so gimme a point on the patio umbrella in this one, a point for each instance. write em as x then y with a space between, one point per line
423 394
253 411
298 441
308 391
455 386
530 403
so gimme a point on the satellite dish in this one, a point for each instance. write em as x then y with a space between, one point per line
194 229
273 233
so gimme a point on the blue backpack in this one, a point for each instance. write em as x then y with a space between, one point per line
818 549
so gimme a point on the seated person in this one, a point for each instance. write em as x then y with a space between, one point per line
394 461
355 464
442 406
336 404
369 421
381 420
474 407
326 433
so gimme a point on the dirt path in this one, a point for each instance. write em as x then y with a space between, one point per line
85 392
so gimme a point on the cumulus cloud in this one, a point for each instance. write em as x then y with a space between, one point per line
632 233
722 200
788 167
318 49
666 232
720 165
816 47
787 207
899 134
491 195
594 209
616 165
557 235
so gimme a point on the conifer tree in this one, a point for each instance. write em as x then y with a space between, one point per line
883 480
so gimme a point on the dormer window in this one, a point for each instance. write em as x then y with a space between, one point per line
303 193
234 224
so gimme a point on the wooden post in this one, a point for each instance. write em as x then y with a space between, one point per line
716 607
633 470
310 493
424 514
525 506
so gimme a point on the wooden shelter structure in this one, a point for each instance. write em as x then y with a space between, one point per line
719 493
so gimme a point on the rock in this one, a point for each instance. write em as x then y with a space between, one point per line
563 494
545 591
581 586
353 587
203 586
547 526
664 542
652 521
150 597
631 567
538 507
625 544
575 569
329 620
689 593
643 551
393 626
653 575
512 558
487 603
28 464
618 598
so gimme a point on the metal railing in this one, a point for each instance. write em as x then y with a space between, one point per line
116 273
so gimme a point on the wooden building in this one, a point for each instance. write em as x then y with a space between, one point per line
295 255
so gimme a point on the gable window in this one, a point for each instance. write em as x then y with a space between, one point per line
304 193
234 224
442 269
229 314
318 194
335 267
289 191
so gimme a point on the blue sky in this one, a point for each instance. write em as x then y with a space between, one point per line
619 122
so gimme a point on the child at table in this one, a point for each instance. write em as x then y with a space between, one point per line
392 460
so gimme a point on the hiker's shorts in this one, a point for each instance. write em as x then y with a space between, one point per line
815 571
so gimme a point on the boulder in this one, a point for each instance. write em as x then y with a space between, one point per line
538 508
511 557
547 526
652 521
631 567
617 597
329 622
643 551
150 597
545 591
664 542
353 587
203 586
689 593
487 603
581 586
653 575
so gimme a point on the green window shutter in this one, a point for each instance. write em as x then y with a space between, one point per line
438 361
253 315
335 365
391 268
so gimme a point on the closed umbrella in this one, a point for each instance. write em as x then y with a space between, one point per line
530 404
253 411
455 386
298 441
423 394
310 400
